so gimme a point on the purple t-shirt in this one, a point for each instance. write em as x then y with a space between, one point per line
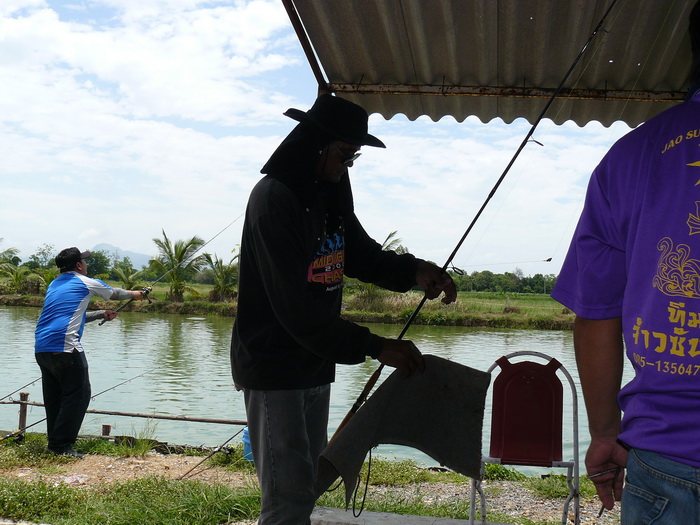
636 254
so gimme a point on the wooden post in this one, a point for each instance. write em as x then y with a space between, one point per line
23 396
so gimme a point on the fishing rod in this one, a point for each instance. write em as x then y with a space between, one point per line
375 376
20 388
21 430
217 449
148 289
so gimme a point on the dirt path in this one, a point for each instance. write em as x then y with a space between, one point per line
95 470
509 498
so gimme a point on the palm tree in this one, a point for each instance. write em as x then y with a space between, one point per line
179 263
45 276
8 254
392 242
225 278
128 277
17 276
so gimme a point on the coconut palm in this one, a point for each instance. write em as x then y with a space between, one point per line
392 242
16 275
370 290
8 254
128 277
45 276
225 278
179 262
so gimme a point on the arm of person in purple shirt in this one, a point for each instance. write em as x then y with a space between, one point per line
600 359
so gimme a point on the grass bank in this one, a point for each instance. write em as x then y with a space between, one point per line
477 309
399 487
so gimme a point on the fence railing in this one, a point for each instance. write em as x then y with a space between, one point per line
24 402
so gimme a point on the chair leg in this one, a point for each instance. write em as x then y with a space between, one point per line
574 496
483 505
472 501
476 487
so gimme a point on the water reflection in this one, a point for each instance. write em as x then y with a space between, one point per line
186 360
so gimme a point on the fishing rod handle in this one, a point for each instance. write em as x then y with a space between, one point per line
121 307
145 291
361 399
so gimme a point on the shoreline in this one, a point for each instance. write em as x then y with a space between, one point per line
512 500
509 316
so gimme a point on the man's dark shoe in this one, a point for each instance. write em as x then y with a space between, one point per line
67 452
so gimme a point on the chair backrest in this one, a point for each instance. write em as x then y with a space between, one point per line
526 422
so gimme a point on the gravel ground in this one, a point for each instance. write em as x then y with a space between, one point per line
507 498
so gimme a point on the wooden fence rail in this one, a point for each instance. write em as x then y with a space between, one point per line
24 402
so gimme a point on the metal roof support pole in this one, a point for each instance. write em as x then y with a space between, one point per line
306 45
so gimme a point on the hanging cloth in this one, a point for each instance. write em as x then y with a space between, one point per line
439 412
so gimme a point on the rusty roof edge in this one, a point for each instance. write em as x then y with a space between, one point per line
511 92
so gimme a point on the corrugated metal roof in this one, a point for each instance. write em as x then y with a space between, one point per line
502 58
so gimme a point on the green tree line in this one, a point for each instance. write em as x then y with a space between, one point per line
177 263
515 282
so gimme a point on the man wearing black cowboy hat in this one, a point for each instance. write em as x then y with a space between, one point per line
58 351
300 238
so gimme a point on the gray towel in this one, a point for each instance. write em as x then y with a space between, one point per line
440 412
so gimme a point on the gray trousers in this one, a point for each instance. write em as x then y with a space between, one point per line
288 430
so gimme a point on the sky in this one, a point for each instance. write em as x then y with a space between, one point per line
120 119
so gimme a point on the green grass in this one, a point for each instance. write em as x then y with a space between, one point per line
554 486
231 458
496 472
399 473
153 500
529 311
156 500
483 309
30 451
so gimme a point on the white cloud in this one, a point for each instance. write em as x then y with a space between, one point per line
120 118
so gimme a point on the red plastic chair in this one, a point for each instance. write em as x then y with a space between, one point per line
526 424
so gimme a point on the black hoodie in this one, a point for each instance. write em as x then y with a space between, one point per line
299 238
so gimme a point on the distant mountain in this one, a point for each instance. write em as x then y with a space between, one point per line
137 259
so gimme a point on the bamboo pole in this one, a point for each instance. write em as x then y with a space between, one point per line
23 402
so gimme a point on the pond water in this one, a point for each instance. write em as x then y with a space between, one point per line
179 365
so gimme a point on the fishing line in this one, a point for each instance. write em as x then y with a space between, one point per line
21 430
549 259
92 398
644 64
375 376
20 388
357 488
148 289
198 249
585 67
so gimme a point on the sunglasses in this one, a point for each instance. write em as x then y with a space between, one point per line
347 160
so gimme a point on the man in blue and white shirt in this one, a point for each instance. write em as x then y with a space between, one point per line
58 351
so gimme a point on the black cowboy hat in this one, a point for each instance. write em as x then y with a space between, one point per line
339 118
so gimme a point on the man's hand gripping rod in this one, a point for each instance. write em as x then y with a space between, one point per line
145 291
